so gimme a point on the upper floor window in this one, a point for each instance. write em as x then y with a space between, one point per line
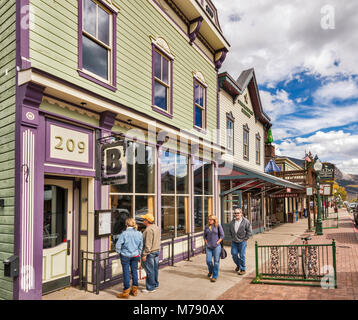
97 43
162 77
161 81
230 132
246 141
258 149
199 101
200 88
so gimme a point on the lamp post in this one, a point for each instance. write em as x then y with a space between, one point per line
318 167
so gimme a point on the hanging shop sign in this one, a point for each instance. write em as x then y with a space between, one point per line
285 195
103 226
114 163
327 172
326 189
309 191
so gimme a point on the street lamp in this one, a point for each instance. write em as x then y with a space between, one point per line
317 168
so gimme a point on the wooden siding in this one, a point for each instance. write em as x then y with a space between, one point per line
227 106
53 48
7 137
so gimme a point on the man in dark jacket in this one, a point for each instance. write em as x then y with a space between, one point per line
240 232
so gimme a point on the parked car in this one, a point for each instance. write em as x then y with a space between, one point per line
355 214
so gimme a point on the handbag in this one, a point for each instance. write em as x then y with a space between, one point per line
223 253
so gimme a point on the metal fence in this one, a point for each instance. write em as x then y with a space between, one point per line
96 270
305 264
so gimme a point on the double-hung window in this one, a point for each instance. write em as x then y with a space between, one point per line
97 43
246 142
162 82
230 132
258 149
199 105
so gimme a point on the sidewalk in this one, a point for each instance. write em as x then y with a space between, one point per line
188 280
347 272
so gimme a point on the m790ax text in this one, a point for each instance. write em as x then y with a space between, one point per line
198 309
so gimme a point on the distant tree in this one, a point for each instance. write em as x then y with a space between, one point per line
340 191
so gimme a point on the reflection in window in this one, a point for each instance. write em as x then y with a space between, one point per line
175 194
55 216
203 193
137 196
199 104
96 46
161 80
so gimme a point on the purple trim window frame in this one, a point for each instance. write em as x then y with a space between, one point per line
169 112
113 67
50 160
204 120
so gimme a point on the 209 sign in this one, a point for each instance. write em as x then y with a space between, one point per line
68 145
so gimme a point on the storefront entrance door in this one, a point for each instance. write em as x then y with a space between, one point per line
57 234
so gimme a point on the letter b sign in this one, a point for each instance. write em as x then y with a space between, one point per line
114 163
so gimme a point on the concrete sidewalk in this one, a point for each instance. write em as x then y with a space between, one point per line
188 280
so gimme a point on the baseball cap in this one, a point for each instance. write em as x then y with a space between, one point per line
148 217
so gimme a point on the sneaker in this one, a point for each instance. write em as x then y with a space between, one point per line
213 280
237 269
209 275
146 291
242 272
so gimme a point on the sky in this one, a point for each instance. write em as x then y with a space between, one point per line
305 56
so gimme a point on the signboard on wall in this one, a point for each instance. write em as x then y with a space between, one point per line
103 223
68 144
114 163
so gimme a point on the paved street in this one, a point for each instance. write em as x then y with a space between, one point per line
188 280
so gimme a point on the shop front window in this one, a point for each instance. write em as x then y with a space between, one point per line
135 196
256 212
175 194
203 193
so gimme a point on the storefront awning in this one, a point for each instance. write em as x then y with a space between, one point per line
250 178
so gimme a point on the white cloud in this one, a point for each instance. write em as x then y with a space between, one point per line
341 90
277 104
336 146
280 38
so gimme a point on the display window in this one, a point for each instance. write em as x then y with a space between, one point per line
203 193
175 214
136 195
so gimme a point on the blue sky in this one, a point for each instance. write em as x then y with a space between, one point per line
305 58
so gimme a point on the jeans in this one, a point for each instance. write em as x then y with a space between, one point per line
132 263
238 252
151 267
210 254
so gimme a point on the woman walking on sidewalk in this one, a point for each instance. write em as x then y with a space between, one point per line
213 236
130 245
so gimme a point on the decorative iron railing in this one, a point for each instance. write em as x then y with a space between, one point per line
305 264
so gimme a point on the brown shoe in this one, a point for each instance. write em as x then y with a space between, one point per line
209 275
213 280
242 272
124 294
134 291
